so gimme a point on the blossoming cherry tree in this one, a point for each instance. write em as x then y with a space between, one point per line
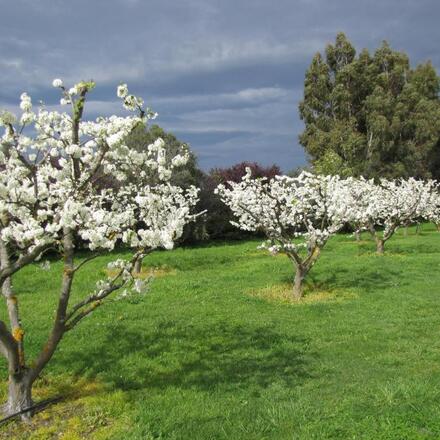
297 215
51 198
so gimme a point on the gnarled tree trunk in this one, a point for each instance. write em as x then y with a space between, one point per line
302 268
380 245
300 273
138 266
380 241
12 344
19 395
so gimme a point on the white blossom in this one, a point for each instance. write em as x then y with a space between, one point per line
7 117
57 82
122 91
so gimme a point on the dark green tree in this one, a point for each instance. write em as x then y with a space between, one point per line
371 115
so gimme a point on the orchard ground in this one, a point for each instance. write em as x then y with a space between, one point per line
216 350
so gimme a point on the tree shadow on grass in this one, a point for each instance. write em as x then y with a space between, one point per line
422 243
208 357
421 247
365 278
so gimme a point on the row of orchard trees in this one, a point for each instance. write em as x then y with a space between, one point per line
299 214
53 165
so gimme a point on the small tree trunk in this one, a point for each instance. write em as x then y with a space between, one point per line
137 266
380 244
297 286
405 231
373 232
357 234
19 396
437 225
418 228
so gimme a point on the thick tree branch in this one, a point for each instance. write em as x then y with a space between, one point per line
23 260
94 300
58 327
312 257
94 303
9 349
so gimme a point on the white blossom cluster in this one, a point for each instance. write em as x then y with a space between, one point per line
50 179
293 212
391 203
430 209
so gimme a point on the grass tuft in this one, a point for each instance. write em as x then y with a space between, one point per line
282 293
147 272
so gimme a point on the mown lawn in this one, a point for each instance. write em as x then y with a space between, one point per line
205 356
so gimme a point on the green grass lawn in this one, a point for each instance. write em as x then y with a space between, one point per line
205 356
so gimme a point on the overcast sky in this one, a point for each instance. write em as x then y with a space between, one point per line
225 76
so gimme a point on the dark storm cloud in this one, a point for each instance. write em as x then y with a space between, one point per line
225 76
